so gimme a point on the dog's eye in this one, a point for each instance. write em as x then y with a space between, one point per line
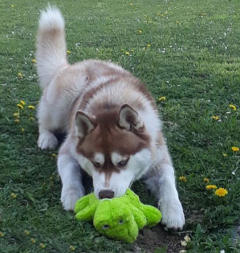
106 226
96 164
122 163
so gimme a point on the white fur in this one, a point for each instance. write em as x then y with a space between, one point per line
116 158
51 47
65 84
47 140
162 175
169 203
118 183
51 18
72 189
151 121
99 158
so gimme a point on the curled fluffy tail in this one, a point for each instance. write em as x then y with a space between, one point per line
51 46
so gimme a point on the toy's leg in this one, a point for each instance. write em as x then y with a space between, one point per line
87 213
161 181
70 173
139 217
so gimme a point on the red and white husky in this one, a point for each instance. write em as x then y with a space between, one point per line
112 125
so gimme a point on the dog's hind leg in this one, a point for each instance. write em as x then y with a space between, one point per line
46 138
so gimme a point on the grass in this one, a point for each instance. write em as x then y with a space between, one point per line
187 51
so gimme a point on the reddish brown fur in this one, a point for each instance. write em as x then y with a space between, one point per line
51 35
108 137
98 68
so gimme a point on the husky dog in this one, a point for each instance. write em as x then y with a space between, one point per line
113 128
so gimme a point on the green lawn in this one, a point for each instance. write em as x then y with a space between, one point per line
187 51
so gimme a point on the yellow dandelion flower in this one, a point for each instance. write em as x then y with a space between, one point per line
16 115
32 107
54 155
235 149
127 53
22 129
225 155
233 107
215 117
1 234
34 61
68 52
42 245
22 102
211 186
183 179
140 31
221 192
26 232
20 75
148 45
20 106
72 248
33 240
131 4
206 180
12 5
17 120
13 195
162 99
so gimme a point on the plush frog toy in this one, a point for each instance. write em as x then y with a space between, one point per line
118 218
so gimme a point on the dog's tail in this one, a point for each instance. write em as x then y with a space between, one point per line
51 45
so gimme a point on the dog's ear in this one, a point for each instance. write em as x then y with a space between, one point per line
129 118
83 124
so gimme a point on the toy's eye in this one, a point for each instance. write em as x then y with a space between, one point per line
123 163
106 226
121 221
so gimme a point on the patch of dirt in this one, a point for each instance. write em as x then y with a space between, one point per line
153 239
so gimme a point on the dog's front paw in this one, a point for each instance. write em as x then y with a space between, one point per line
47 140
70 196
172 214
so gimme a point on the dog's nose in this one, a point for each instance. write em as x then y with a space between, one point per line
106 194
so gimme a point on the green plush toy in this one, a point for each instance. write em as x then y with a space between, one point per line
118 218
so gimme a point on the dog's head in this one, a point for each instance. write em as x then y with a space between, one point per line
113 147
